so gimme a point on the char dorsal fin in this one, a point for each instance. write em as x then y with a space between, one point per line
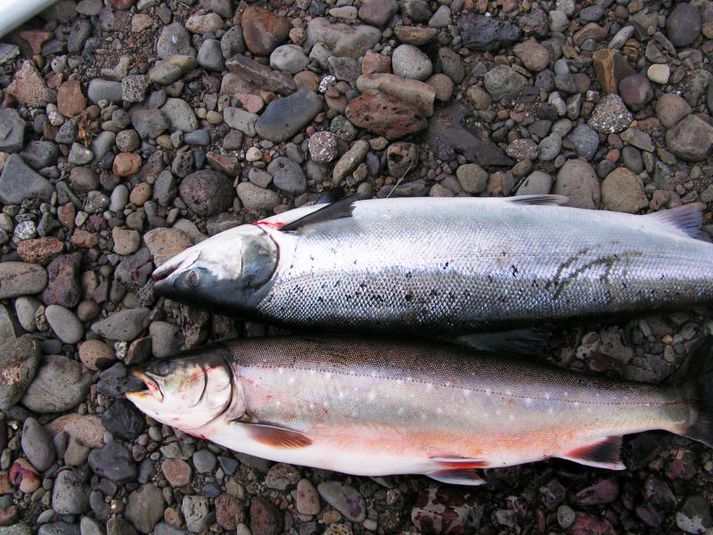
336 210
685 220
538 200
604 453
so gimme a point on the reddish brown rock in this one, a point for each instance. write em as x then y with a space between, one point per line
24 476
9 515
177 472
96 355
29 87
70 100
263 31
610 68
265 518
385 115
228 512
165 243
590 31
444 510
375 63
39 250
84 239
63 285
221 162
36 38
126 164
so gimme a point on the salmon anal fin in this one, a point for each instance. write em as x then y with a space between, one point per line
278 437
603 454
459 463
538 200
457 477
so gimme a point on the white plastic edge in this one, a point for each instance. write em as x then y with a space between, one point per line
15 12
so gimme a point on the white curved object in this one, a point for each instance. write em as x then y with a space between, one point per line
15 12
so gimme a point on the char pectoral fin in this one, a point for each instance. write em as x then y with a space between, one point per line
604 453
277 437
456 470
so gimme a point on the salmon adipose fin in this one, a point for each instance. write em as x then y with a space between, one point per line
685 220
698 369
605 453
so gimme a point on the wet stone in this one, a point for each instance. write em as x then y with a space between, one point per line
285 117
59 385
123 420
487 33
113 461
344 498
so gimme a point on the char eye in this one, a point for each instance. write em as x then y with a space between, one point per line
193 279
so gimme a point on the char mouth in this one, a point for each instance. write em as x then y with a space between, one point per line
152 388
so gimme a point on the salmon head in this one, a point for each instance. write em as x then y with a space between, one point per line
224 271
185 392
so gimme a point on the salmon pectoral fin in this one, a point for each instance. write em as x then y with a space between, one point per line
277 437
602 454
457 477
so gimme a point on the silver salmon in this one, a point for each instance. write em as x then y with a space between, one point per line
382 407
453 265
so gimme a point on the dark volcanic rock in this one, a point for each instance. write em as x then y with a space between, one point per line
207 192
449 134
123 420
487 33
63 285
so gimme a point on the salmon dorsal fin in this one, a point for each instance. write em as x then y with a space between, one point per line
538 200
684 220
457 477
602 454
336 210
277 437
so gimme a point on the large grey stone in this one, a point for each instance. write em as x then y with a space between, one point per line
342 39
12 130
20 182
284 117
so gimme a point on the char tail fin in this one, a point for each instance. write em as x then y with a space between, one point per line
697 371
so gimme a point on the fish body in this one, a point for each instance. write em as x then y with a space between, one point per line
451 265
380 407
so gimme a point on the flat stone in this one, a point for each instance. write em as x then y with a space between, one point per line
623 191
171 69
63 281
37 445
260 75
70 99
69 495
287 176
64 324
533 55
113 461
610 67
240 120
195 510
585 140
449 134
12 130
177 472
19 182
536 183
377 12
350 160
144 507
285 117
638 139
340 38
18 279
108 90
504 82
180 115
344 498
683 24
409 62
691 139
165 243
288 58
635 91
174 40
123 325
149 123
578 181
415 35
134 87
385 115
418 94
256 198
204 23
96 355
59 385
671 108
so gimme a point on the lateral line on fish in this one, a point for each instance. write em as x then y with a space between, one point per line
479 390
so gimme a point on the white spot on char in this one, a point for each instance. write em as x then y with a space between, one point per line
401 410
280 370
466 392
511 417
550 410
488 392
439 410
429 387
372 395
528 401
312 372
547 395
291 380
576 403
311 406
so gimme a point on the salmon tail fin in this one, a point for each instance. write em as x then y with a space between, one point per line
684 220
698 372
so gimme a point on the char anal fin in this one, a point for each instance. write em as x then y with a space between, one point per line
605 453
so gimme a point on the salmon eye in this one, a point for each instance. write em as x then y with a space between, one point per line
193 279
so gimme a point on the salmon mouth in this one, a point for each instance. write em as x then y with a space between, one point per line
170 266
163 273
152 387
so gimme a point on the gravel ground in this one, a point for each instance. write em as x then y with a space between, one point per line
130 130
